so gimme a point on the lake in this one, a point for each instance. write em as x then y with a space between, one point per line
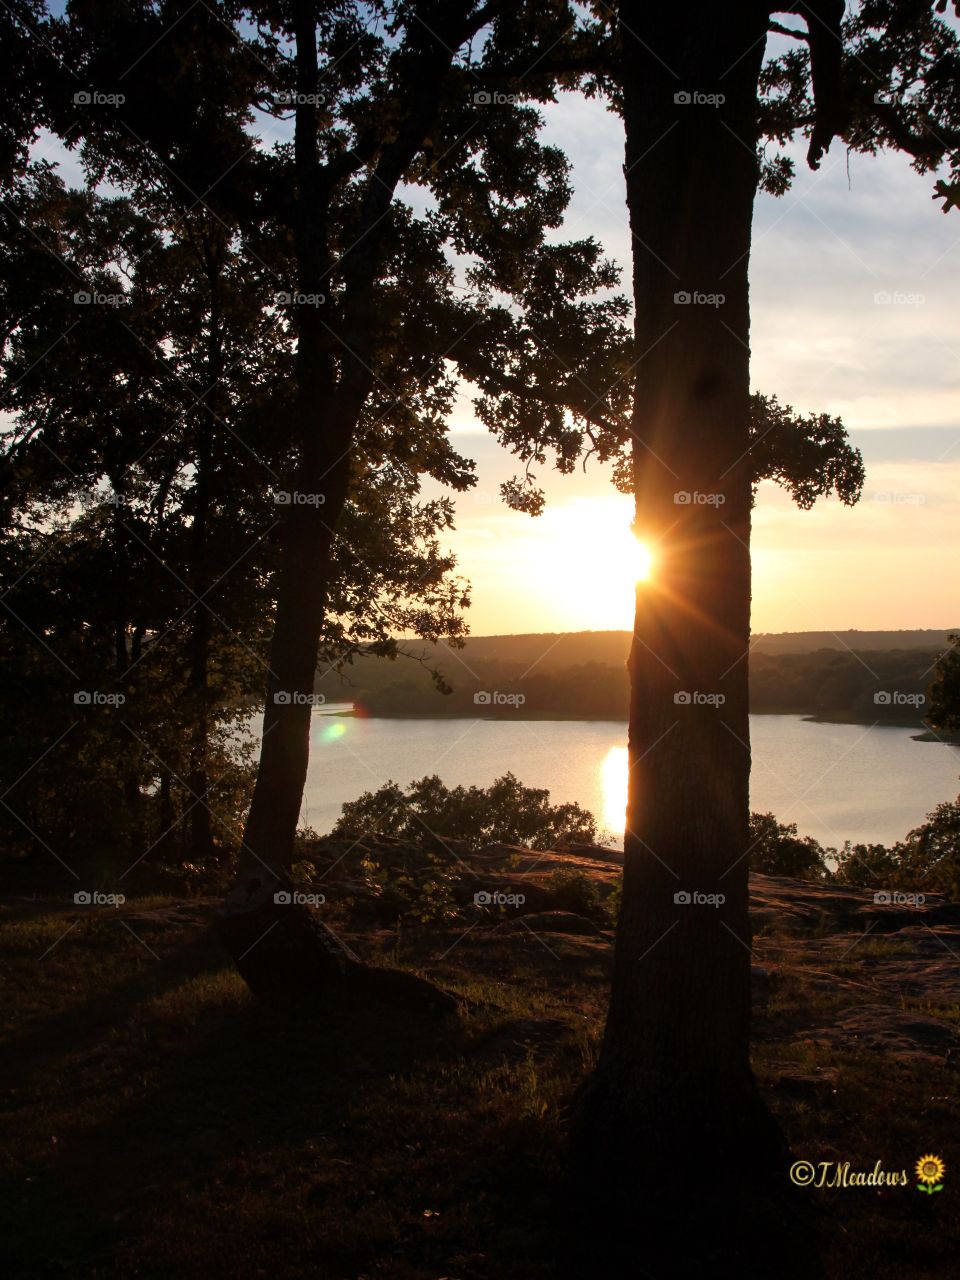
837 782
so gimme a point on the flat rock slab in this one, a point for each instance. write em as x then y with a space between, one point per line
921 962
801 1084
193 913
602 872
556 922
882 1028
520 1038
842 908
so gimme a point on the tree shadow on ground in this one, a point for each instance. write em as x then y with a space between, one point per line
247 1142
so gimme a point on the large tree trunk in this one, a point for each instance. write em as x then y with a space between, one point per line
673 1104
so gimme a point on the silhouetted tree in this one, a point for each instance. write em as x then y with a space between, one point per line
674 1069
138 519
108 479
379 99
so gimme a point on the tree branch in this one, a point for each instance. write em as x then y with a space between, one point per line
824 18
787 31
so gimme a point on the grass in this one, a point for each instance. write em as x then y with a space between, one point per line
867 1108
160 1122
882 948
929 1009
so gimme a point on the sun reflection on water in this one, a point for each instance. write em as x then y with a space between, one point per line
613 779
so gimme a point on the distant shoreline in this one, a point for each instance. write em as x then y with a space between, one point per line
923 735
585 678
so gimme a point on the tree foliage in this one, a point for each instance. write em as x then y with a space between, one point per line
167 437
777 850
506 812
943 712
927 860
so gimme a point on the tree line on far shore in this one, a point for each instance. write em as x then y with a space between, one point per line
898 686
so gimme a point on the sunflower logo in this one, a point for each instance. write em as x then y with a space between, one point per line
930 1171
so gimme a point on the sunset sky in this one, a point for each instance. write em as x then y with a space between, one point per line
859 227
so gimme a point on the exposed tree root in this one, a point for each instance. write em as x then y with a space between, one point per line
290 959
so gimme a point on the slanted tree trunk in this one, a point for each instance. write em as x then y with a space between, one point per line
333 382
282 948
201 833
323 472
672 1110
325 425
166 842
126 679
201 828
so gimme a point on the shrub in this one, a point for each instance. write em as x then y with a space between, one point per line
777 850
927 860
506 812
575 891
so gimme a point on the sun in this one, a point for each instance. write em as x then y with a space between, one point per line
930 1169
641 560
586 555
